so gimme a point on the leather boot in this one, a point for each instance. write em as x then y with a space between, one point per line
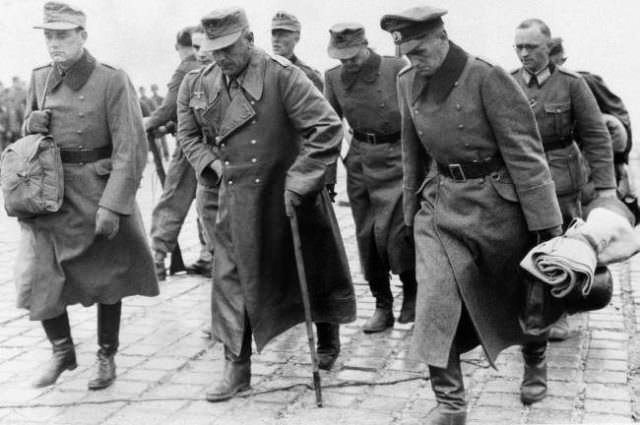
382 319
237 372
534 382
108 340
158 264
328 344
448 387
409 289
63 353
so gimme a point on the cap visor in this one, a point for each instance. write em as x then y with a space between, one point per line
284 27
218 43
345 53
408 46
57 26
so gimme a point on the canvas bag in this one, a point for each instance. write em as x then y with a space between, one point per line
31 174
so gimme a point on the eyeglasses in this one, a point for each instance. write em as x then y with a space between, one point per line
528 47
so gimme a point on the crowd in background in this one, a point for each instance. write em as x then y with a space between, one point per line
12 105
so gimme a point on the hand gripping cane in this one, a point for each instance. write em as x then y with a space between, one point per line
304 291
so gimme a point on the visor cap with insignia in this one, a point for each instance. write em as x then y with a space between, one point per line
62 16
285 21
346 40
223 27
408 27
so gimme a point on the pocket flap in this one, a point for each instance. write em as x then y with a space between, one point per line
557 108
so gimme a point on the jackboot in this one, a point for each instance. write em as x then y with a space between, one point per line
328 344
159 266
409 289
108 340
237 372
382 319
448 387
63 353
534 382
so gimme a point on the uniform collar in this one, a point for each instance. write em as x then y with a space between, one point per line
541 76
77 75
252 78
446 77
367 73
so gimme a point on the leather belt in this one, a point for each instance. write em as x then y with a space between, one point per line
80 156
557 144
461 171
376 139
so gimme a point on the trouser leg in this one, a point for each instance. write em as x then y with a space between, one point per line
108 342
63 352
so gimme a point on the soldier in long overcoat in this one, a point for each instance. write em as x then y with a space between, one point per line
363 91
94 249
475 185
274 136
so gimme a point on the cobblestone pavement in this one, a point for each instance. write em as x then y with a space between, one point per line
165 365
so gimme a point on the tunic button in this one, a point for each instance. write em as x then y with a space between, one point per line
81 114
257 180
456 84
382 105
253 122
81 97
217 138
253 142
253 102
458 106
79 131
460 126
226 163
222 145
253 160
230 182
420 132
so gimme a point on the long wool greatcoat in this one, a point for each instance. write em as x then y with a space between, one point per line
470 235
60 260
368 100
258 139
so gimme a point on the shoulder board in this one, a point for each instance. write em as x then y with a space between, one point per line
514 71
568 72
484 60
42 67
335 68
281 60
406 69
109 65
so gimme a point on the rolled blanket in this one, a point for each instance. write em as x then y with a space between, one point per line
564 263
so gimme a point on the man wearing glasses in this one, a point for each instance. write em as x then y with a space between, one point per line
565 111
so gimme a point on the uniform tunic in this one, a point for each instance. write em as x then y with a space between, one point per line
369 103
566 110
60 260
470 235
257 137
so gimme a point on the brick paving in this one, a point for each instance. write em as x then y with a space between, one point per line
165 365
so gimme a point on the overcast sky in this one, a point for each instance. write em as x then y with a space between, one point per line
139 35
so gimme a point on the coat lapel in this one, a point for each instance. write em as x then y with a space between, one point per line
441 83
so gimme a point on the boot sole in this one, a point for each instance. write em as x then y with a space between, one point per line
376 330
531 400
100 386
213 398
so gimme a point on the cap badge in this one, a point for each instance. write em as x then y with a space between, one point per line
397 36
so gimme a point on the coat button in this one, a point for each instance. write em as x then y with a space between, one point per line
253 102
456 84
382 105
81 114
79 131
222 145
254 121
460 126
420 132
253 160
226 163
257 180
253 142
458 106
230 182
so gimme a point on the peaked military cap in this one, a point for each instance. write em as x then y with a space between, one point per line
285 21
409 26
223 27
62 16
346 40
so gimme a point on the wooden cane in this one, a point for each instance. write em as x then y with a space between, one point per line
304 291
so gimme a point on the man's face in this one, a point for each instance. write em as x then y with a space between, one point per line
428 55
65 45
233 59
202 55
283 42
532 48
354 63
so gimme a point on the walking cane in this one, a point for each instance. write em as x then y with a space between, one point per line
304 291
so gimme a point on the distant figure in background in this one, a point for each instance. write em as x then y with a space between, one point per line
363 91
145 100
155 95
94 249
17 99
179 189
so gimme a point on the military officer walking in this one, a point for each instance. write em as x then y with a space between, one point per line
94 249
273 137
476 186
363 91
285 35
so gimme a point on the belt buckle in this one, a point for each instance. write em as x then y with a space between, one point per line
456 171
371 138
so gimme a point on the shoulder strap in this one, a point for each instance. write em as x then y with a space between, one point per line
46 87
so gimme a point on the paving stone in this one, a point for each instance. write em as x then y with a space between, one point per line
608 406
547 416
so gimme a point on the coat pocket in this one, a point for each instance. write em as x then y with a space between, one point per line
567 169
560 115
504 187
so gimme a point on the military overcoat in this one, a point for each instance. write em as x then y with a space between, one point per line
470 234
368 101
278 132
60 260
